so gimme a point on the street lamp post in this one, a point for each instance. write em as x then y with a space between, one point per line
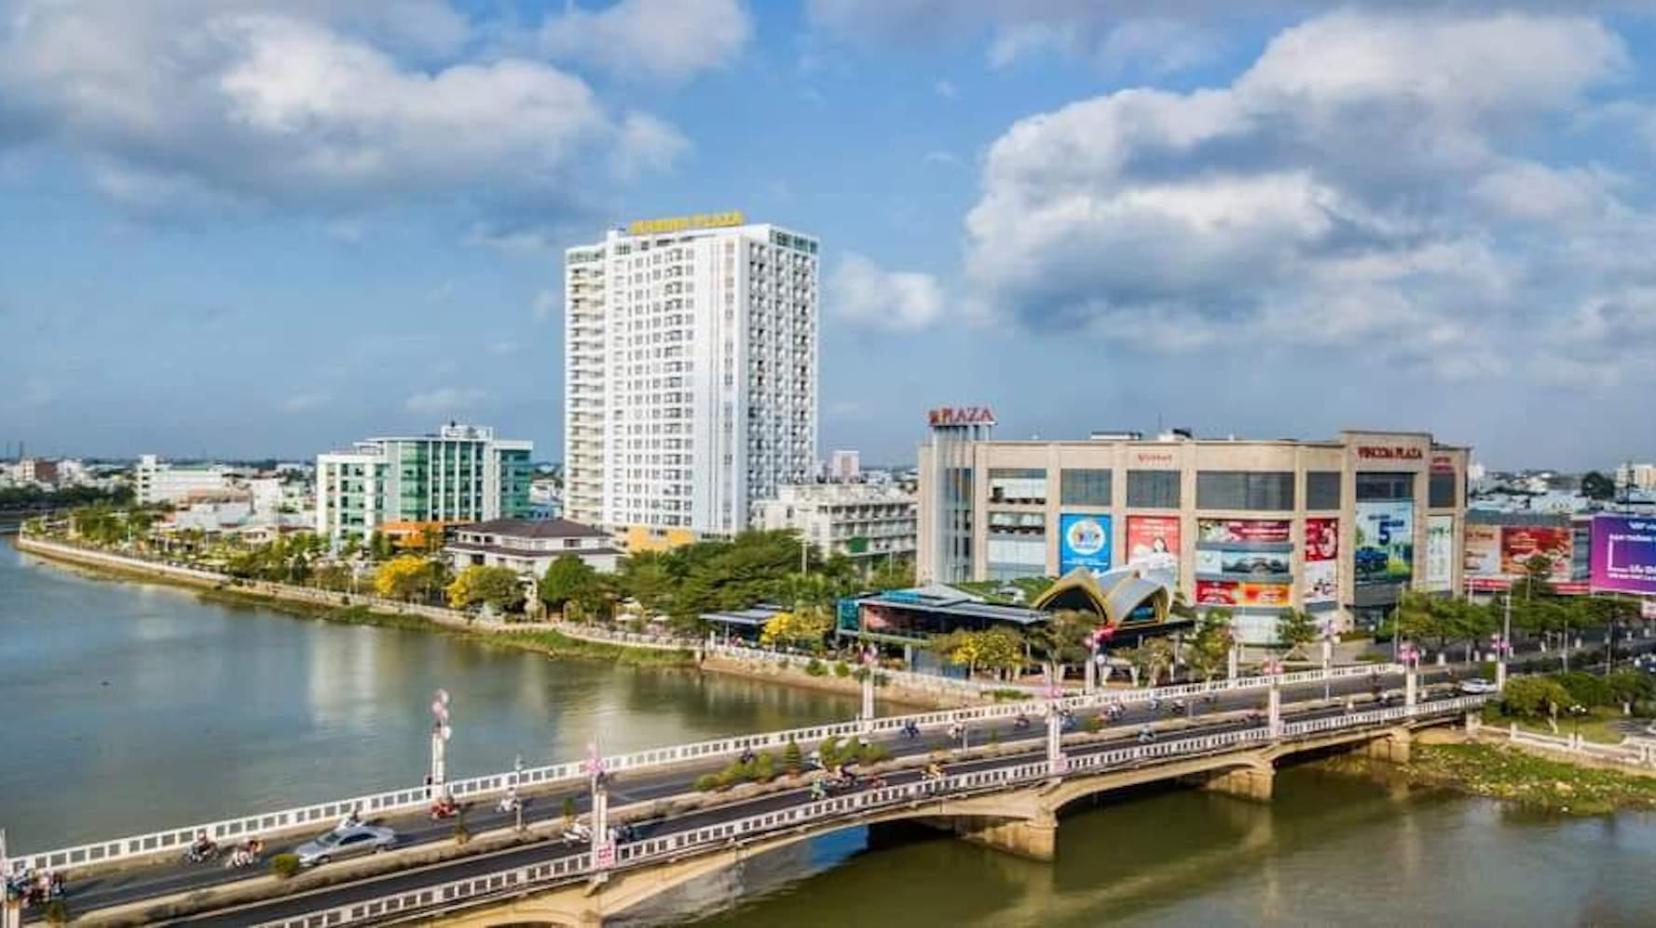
1055 730
517 791
1097 640
1502 646
1327 658
603 850
441 730
1273 697
868 662
1410 656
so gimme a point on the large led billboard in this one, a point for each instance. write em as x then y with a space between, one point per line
1083 541
1624 554
1384 546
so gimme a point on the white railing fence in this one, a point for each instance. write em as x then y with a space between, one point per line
649 850
490 785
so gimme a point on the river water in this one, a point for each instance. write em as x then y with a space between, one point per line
133 706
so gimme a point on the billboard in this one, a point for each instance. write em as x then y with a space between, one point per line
1624 554
1229 531
1083 541
1519 543
1153 547
1384 546
1236 593
1483 551
1440 553
1322 562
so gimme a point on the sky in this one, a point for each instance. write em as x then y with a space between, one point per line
248 228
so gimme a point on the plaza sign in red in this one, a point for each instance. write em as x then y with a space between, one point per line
1389 453
961 415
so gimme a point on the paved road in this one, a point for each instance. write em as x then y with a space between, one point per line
172 876
463 868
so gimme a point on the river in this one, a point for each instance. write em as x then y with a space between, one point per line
130 706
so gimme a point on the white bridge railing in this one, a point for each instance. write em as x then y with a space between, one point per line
490 785
459 893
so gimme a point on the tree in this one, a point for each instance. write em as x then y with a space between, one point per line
1296 629
804 627
648 578
379 546
1211 647
1061 640
1152 658
402 578
1595 485
569 579
892 575
1535 697
991 648
496 587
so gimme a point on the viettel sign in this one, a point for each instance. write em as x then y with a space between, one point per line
960 415
1389 453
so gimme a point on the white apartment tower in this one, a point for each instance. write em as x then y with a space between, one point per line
690 372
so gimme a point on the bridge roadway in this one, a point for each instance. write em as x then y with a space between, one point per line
370 888
170 876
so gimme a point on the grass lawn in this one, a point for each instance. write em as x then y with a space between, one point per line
1507 774
1599 727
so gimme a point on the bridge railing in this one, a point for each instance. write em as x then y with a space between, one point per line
490 785
649 850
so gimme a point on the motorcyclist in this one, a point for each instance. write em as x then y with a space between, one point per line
1146 735
1022 720
202 848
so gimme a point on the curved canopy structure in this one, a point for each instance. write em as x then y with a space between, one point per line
1120 597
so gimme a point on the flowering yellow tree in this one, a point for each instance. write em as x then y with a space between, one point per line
402 577
806 626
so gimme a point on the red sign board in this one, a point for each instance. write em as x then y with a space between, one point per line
1443 464
1389 453
961 415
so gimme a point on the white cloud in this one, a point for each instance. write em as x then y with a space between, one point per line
444 401
865 294
199 102
1366 182
545 305
661 40
946 90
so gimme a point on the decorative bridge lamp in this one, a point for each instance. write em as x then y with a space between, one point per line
1272 667
603 849
867 659
441 731
1097 640
1502 647
1328 639
1410 656
1055 728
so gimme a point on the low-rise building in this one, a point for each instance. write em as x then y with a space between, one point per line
157 481
869 524
529 546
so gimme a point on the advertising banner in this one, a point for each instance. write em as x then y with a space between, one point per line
1233 593
1153 547
1519 543
1440 552
1322 561
1271 531
1384 549
1083 541
1252 563
1624 554
1216 592
1483 551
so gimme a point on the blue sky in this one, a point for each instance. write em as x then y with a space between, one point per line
242 227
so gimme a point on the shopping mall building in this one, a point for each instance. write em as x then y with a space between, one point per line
1337 528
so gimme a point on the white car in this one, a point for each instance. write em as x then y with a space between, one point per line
1479 687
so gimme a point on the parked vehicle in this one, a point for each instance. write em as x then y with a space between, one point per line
1478 687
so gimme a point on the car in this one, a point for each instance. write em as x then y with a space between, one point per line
1371 561
1479 687
345 842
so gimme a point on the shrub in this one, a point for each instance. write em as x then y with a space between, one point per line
1094 724
285 865
1629 686
1536 697
568 808
829 750
460 833
707 782
793 759
1586 689
816 668
842 669
1007 694
881 679
764 768
872 753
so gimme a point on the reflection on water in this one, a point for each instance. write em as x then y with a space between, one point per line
131 707
1330 850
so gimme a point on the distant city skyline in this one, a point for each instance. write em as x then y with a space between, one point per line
333 220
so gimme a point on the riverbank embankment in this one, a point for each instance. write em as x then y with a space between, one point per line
554 639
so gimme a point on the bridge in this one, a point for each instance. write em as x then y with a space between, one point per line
1003 784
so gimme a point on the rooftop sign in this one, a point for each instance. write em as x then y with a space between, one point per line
681 223
1389 453
960 415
